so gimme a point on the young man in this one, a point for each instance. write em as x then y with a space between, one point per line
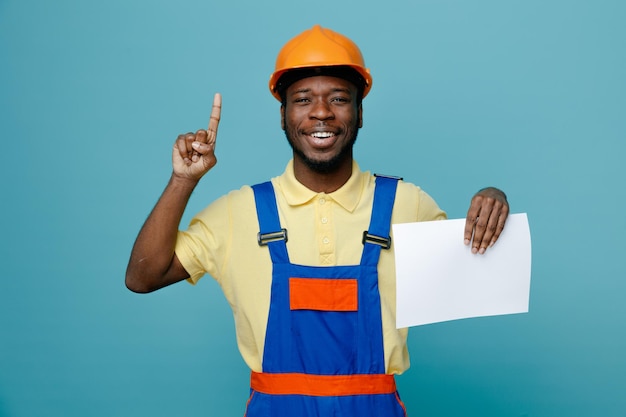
305 260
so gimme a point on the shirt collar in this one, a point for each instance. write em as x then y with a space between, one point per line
347 196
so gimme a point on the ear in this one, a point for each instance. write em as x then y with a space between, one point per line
282 117
360 115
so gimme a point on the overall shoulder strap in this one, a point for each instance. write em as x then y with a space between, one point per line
270 233
377 236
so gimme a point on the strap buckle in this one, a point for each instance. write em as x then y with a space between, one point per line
384 242
264 238
393 177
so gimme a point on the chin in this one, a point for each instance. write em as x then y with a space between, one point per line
325 166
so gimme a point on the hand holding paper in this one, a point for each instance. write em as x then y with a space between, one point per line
439 279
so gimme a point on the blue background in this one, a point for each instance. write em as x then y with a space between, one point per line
529 96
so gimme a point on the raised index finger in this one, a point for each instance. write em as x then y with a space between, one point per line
214 121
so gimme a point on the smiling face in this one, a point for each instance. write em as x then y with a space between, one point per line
321 117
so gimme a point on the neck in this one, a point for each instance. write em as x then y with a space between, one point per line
322 182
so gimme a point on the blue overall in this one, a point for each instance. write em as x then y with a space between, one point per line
318 361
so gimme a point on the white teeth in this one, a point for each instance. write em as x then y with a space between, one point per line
322 134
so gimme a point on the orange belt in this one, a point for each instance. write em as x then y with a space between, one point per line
322 385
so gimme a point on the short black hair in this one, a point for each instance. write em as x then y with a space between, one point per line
345 72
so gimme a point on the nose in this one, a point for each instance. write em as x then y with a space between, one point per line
321 110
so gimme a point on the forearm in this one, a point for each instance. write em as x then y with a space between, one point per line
152 262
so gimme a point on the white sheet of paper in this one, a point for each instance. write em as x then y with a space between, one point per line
439 279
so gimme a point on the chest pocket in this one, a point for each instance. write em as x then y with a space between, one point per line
323 294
